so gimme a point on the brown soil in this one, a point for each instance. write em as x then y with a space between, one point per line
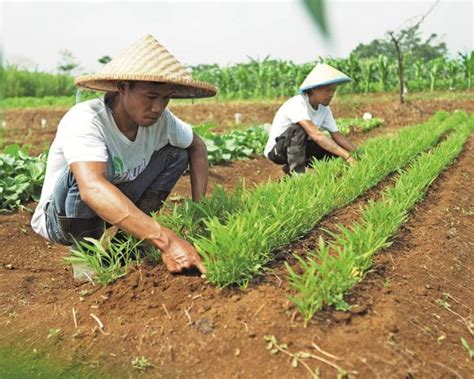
186 327
24 125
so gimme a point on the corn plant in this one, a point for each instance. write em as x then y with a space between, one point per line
266 79
338 265
467 61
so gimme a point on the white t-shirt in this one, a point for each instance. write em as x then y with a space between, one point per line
88 133
295 110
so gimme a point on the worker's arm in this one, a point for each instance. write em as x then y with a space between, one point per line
199 167
110 204
343 141
326 143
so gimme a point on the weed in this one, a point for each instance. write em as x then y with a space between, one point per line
468 348
54 333
141 363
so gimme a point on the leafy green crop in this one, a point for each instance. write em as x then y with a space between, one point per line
21 177
237 144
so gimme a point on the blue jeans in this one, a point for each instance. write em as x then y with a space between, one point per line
161 174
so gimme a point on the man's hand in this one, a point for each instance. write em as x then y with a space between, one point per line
179 255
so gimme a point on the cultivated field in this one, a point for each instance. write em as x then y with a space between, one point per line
351 272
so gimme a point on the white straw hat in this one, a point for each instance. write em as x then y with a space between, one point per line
321 75
147 60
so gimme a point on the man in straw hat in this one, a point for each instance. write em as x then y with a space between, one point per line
296 136
116 159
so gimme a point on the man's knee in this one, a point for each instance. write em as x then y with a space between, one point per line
298 136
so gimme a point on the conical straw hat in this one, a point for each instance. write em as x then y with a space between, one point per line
147 60
322 75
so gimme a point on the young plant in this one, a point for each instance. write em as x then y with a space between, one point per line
109 257
468 348
141 363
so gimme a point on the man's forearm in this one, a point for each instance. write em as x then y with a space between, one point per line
326 143
344 142
331 146
113 206
198 167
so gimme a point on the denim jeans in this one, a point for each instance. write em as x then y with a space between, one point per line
161 174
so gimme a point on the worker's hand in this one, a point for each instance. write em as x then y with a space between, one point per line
179 254
351 161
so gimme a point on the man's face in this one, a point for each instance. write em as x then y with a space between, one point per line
146 101
323 95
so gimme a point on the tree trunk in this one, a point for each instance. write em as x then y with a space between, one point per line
400 67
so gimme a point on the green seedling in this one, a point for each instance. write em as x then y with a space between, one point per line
54 333
109 259
468 348
141 363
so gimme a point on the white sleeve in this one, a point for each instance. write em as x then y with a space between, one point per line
82 141
329 123
297 111
180 134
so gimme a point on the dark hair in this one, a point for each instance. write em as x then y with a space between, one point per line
110 96
309 90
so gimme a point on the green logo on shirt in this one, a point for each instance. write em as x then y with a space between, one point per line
118 165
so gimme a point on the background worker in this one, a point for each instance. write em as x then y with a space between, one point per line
296 135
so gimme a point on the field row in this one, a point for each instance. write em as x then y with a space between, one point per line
21 175
238 233
335 267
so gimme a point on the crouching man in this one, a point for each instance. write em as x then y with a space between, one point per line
296 136
115 159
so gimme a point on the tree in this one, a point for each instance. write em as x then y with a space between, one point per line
68 62
104 60
398 38
411 42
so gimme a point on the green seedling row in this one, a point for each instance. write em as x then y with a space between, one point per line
335 267
236 245
347 125
188 219
22 175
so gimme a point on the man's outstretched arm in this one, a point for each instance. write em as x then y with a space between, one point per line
325 142
343 141
111 205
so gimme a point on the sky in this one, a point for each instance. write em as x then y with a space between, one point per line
223 32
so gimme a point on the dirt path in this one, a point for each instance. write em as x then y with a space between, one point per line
186 327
